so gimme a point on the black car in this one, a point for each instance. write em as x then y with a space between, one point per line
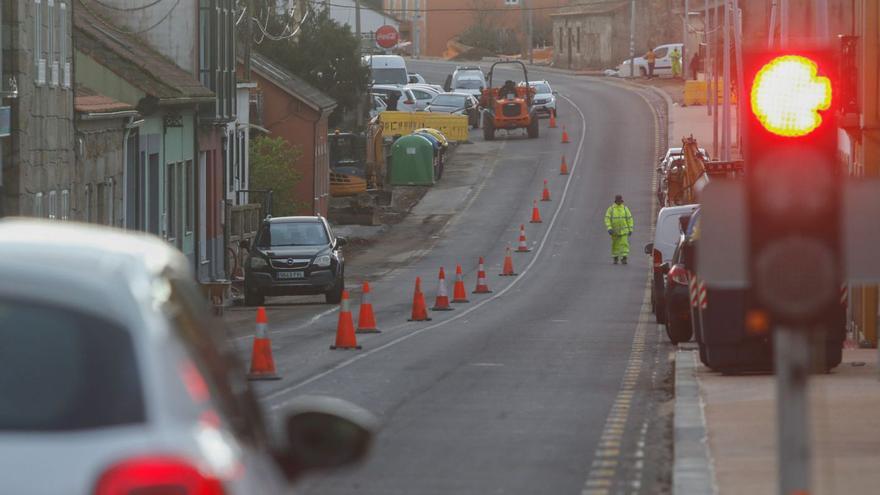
457 104
294 256
677 294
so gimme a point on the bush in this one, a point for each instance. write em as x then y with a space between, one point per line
272 162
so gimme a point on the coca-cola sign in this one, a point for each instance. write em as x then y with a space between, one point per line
387 37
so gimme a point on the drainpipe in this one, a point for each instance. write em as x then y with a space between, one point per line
132 124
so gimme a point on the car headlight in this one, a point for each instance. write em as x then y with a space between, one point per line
322 261
258 262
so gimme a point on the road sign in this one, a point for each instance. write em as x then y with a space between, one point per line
387 37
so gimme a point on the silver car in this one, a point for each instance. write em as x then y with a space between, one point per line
115 379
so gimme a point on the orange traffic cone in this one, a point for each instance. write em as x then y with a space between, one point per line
508 265
563 167
459 294
262 363
552 119
482 286
345 338
564 136
523 247
545 195
536 215
366 318
419 308
441 303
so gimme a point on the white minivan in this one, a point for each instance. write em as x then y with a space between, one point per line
666 236
662 62
387 69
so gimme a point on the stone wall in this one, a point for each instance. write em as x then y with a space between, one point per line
99 172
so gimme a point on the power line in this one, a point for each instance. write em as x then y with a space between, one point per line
128 9
474 9
126 31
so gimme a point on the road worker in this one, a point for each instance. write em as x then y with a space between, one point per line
676 62
619 222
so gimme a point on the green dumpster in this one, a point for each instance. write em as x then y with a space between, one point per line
412 161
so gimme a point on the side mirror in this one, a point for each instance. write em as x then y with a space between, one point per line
664 268
341 241
324 433
244 244
649 248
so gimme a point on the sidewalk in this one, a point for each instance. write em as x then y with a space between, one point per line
845 427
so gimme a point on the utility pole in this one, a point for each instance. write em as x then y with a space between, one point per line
684 42
725 102
771 32
632 38
360 41
248 38
707 74
531 37
417 33
783 23
524 29
715 115
741 99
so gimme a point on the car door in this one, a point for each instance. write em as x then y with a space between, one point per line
423 98
663 64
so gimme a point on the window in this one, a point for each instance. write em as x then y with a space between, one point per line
53 205
87 199
106 193
171 195
38 205
661 52
511 2
90 363
561 38
205 63
51 48
63 35
578 39
65 204
189 182
39 60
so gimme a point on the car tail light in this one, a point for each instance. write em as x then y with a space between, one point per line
678 274
158 475
658 260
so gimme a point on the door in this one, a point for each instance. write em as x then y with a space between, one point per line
568 50
203 209
663 64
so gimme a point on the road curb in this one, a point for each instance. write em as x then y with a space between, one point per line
693 472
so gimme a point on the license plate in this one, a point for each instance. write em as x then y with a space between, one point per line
289 275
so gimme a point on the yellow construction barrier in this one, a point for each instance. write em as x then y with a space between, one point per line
695 92
454 127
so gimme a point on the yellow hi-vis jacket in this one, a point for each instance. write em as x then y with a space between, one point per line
618 219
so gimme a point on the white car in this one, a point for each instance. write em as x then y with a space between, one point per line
406 100
125 383
465 71
378 106
416 78
545 98
666 235
470 85
423 93
662 64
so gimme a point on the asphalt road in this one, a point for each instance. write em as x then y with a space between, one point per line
556 382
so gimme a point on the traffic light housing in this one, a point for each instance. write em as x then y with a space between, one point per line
794 184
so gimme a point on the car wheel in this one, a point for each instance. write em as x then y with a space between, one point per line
334 296
488 129
253 298
677 329
534 128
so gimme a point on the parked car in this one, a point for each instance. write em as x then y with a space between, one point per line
470 85
458 104
676 295
424 95
379 105
125 383
544 101
406 100
672 155
662 63
387 69
414 78
294 256
666 236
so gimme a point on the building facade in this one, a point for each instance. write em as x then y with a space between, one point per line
38 153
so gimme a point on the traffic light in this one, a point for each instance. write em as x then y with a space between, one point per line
793 183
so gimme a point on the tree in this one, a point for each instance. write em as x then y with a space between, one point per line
327 55
272 163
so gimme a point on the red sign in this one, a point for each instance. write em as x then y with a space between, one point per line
387 37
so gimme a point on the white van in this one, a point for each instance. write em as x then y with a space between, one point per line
387 69
666 236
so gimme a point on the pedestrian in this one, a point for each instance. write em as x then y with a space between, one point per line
650 58
619 222
676 62
696 62
392 101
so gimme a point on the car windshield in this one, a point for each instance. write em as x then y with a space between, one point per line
389 76
469 84
541 88
294 234
449 101
63 370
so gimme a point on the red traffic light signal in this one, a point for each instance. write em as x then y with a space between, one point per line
793 185
787 96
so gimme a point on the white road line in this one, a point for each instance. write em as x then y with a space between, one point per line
312 320
537 253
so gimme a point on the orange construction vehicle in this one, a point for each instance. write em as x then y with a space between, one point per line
509 106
